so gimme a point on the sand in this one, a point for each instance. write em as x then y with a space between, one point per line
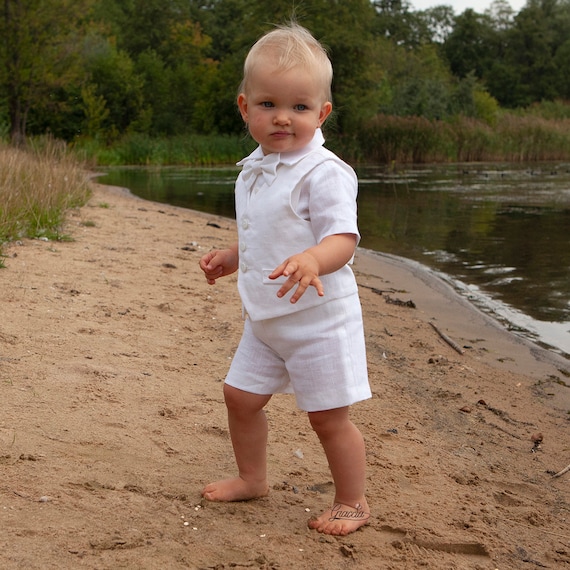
113 350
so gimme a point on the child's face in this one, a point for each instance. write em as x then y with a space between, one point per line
283 108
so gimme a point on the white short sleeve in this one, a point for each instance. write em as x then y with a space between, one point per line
327 199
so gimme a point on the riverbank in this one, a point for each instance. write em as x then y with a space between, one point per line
113 350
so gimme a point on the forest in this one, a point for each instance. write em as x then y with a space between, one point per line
410 85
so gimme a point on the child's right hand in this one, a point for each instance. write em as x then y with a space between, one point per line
219 263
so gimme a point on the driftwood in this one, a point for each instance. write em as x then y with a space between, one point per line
560 473
389 299
399 302
448 340
377 291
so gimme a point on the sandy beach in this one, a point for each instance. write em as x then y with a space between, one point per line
113 350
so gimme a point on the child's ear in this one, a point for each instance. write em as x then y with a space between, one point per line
242 105
325 112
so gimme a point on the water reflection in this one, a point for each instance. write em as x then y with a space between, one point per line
506 231
502 233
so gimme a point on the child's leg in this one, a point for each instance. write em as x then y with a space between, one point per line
344 448
248 430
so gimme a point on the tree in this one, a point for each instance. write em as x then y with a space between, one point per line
438 22
469 46
530 64
115 82
396 21
39 54
156 64
501 15
419 82
562 62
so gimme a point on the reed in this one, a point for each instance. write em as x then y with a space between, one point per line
472 140
37 186
387 139
513 138
534 138
191 150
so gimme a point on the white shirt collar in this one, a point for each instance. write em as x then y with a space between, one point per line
288 158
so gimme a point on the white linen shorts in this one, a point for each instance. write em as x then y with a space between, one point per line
318 354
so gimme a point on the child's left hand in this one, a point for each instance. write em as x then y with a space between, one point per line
302 270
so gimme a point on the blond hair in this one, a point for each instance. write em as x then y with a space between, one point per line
290 46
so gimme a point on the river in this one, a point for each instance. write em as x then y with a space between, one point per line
499 233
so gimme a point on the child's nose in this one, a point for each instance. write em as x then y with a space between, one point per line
281 118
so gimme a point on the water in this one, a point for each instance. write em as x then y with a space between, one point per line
499 233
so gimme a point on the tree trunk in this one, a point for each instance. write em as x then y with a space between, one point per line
12 14
17 120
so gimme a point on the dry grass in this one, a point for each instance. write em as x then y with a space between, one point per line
387 139
37 186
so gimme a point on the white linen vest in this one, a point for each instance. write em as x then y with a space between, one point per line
270 231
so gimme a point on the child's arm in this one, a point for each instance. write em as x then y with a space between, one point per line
219 263
303 269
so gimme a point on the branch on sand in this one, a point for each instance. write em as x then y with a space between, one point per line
560 473
448 340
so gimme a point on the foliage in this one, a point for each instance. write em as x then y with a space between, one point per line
125 74
549 110
38 60
141 149
522 58
117 87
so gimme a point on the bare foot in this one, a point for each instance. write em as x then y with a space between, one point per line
341 520
235 489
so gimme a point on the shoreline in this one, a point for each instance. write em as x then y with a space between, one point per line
435 293
467 325
463 316
542 336
478 333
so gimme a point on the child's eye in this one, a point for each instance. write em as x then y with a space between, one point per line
301 107
267 104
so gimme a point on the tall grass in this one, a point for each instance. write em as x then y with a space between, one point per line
385 139
512 138
37 186
141 149
529 138
388 138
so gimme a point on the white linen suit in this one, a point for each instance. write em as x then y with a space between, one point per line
285 204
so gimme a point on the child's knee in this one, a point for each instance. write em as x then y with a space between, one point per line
328 421
242 401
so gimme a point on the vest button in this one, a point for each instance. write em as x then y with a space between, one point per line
245 223
243 267
242 246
